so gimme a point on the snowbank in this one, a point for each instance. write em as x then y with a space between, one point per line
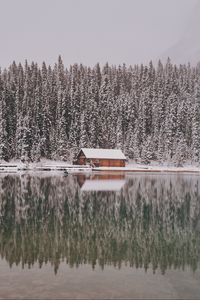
50 165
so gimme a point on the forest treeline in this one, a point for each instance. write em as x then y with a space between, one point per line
150 112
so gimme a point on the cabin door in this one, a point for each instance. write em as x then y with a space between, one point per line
96 162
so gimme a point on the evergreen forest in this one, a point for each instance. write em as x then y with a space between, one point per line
151 112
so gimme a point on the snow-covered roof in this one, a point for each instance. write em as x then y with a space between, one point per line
103 153
103 185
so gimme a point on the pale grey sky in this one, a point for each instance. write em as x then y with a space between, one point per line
90 31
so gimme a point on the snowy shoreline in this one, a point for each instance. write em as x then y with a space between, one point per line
17 166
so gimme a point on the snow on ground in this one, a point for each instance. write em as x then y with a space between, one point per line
144 168
132 166
50 165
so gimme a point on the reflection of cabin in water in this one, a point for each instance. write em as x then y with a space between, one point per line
101 157
101 182
82 177
103 185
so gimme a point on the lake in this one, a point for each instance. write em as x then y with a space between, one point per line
99 236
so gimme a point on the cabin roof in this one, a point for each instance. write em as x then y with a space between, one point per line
103 153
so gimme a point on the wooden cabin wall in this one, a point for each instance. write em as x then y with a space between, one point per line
109 162
82 160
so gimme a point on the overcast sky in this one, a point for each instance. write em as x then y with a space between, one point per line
90 31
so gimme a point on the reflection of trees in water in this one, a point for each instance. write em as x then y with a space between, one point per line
153 222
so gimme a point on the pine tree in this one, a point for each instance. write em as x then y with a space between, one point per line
4 149
119 134
26 140
195 131
84 139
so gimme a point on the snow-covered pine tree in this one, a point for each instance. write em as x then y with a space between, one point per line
4 149
84 139
104 98
196 125
26 140
170 125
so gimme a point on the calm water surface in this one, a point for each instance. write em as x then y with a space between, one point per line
100 236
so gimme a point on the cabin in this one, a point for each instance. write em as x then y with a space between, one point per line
101 157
